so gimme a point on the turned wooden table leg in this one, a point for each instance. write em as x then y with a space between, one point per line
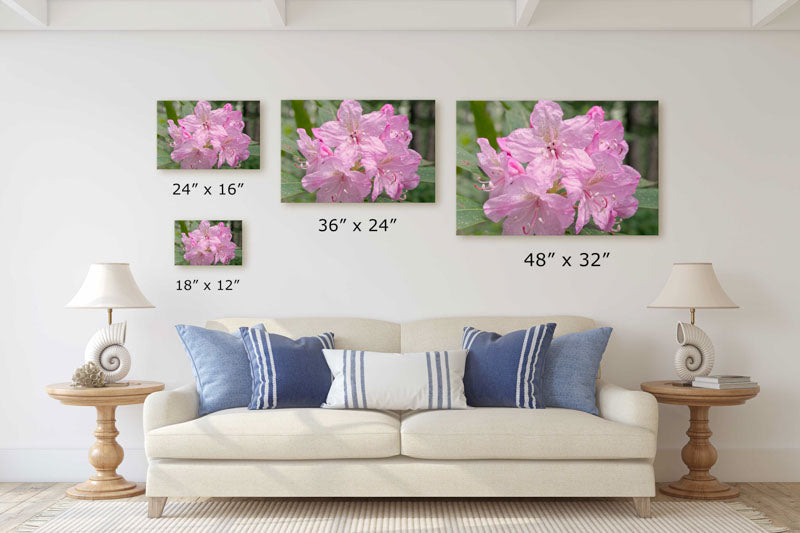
105 456
699 455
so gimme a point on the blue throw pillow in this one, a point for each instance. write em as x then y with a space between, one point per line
286 372
506 371
570 369
220 365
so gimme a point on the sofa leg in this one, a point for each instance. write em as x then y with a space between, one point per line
155 506
642 506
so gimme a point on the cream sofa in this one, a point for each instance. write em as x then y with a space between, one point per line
481 452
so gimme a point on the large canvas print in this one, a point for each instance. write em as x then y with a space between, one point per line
357 151
202 134
557 168
208 242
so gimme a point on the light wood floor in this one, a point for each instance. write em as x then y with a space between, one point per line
21 501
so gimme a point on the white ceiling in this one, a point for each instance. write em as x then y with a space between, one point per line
399 14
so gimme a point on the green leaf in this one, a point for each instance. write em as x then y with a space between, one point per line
468 212
645 184
290 186
289 145
484 127
467 160
648 198
301 119
163 160
427 174
516 116
187 108
170 110
326 111
592 231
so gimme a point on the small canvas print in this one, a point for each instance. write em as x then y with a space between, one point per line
202 134
557 168
358 151
208 242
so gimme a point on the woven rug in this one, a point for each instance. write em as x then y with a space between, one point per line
317 516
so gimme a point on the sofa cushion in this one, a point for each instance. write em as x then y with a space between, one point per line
398 381
506 370
510 433
571 367
279 434
220 366
286 372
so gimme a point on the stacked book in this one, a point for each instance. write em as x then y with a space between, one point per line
723 382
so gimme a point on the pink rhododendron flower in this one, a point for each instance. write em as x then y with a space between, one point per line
529 209
501 168
336 181
314 150
357 154
209 137
209 245
195 152
558 171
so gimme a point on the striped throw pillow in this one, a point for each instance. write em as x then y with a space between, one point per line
506 370
395 381
286 372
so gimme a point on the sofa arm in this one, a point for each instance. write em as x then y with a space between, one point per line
170 407
634 408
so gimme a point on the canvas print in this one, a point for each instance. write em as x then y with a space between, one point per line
208 242
201 134
557 168
357 151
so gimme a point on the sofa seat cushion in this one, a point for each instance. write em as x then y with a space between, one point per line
288 434
509 433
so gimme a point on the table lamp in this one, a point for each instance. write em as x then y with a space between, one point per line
693 286
109 286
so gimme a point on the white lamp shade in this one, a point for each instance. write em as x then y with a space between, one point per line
109 286
693 285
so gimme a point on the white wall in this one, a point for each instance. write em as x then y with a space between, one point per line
79 185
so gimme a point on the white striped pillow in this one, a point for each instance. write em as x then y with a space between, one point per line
395 381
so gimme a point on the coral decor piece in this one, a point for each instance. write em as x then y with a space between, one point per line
556 176
204 135
356 156
107 350
209 244
89 375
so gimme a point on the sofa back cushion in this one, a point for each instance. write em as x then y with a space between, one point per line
351 333
446 333
416 336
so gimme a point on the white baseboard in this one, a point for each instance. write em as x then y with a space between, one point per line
737 464
43 465
60 464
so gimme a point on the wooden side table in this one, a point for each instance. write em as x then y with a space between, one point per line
698 454
106 454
